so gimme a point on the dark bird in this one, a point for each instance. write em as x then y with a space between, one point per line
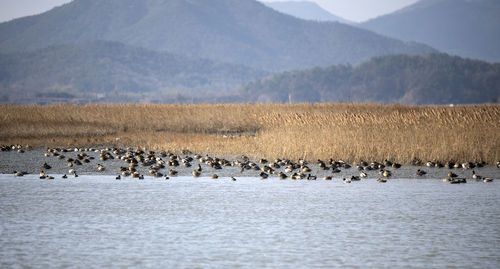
421 172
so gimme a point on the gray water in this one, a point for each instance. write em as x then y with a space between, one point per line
96 221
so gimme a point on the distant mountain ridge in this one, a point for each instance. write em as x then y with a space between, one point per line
103 71
234 31
415 80
468 28
306 10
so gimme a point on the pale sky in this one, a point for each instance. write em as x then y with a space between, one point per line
358 10
354 10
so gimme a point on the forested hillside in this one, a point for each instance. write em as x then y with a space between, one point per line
431 79
112 72
237 31
468 28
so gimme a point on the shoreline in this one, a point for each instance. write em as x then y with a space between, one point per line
148 165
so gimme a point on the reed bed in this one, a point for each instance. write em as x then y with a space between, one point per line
311 131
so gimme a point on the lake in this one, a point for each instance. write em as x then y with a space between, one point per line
97 221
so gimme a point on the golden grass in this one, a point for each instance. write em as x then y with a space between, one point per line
311 131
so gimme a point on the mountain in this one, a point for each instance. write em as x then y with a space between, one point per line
468 28
103 71
404 79
305 10
234 31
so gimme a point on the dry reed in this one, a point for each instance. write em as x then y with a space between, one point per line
311 131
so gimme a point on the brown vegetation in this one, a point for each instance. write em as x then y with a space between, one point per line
311 131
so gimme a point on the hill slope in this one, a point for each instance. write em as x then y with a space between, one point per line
103 71
236 31
430 79
468 28
305 10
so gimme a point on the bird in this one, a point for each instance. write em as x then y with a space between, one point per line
64 176
42 174
263 175
327 178
282 175
233 179
452 175
214 176
166 177
100 168
196 173
118 177
476 176
172 172
487 179
458 180
311 177
380 180
421 172
386 173
363 175
355 178
346 180
396 165
46 166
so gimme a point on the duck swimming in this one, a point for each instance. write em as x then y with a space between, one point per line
475 176
421 172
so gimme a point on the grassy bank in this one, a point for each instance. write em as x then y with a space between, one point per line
312 131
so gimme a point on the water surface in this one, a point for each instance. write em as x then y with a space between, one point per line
96 221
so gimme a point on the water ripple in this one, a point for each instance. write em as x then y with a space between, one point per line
203 223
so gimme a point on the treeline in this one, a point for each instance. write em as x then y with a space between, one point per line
429 79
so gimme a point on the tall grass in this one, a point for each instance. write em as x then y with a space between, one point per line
311 131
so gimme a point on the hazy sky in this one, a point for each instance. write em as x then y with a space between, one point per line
359 10
354 10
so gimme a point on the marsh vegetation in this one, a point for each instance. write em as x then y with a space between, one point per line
311 131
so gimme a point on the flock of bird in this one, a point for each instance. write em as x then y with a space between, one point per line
165 165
